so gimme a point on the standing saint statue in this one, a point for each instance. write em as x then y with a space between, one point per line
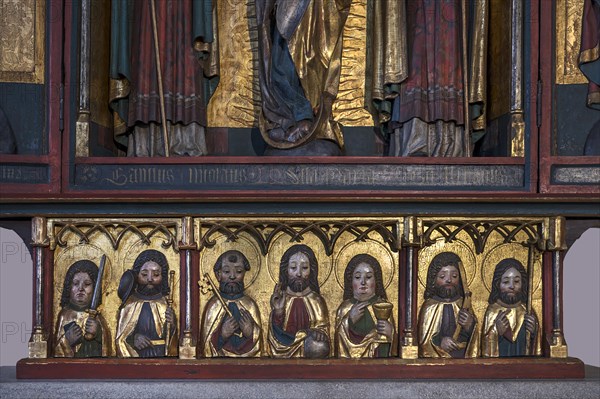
428 74
300 48
187 50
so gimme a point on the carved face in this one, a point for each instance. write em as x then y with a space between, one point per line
82 288
298 272
447 281
231 276
150 274
510 286
447 277
363 282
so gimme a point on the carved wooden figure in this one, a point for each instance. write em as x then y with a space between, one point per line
360 329
509 329
231 325
299 322
81 332
446 322
147 324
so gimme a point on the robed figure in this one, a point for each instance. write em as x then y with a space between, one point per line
428 74
231 325
299 51
358 332
147 325
299 322
78 334
589 54
508 329
188 56
442 314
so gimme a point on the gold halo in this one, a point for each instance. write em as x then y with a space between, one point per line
464 252
282 243
516 251
78 252
209 256
371 247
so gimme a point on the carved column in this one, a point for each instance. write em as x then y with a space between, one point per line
38 343
411 241
82 126
187 345
517 125
557 244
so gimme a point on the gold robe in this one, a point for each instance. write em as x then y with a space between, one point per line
62 348
128 318
214 315
317 311
368 346
516 319
430 323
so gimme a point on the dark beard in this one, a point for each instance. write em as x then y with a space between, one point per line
232 288
148 290
511 299
298 284
446 292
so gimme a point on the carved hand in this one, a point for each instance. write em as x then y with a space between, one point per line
318 335
357 311
530 323
74 335
502 324
230 325
246 323
385 327
466 319
448 344
140 342
278 300
91 327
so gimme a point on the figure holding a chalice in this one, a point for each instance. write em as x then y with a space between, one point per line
364 325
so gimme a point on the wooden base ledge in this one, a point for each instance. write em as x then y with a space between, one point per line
261 369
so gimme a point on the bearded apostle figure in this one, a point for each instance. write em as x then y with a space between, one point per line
299 322
442 314
507 326
147 325
231 322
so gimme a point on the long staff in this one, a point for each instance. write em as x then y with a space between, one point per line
530 262
466 305
169 304
159 78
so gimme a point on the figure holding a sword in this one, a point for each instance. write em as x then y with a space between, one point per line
81 331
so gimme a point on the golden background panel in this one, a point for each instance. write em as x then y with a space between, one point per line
480 269
349 106
236 101
117 262
569 15
22 35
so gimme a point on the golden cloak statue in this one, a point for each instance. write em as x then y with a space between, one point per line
128 320
212 320
369 345
62 347
430 324
317 312
490 340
